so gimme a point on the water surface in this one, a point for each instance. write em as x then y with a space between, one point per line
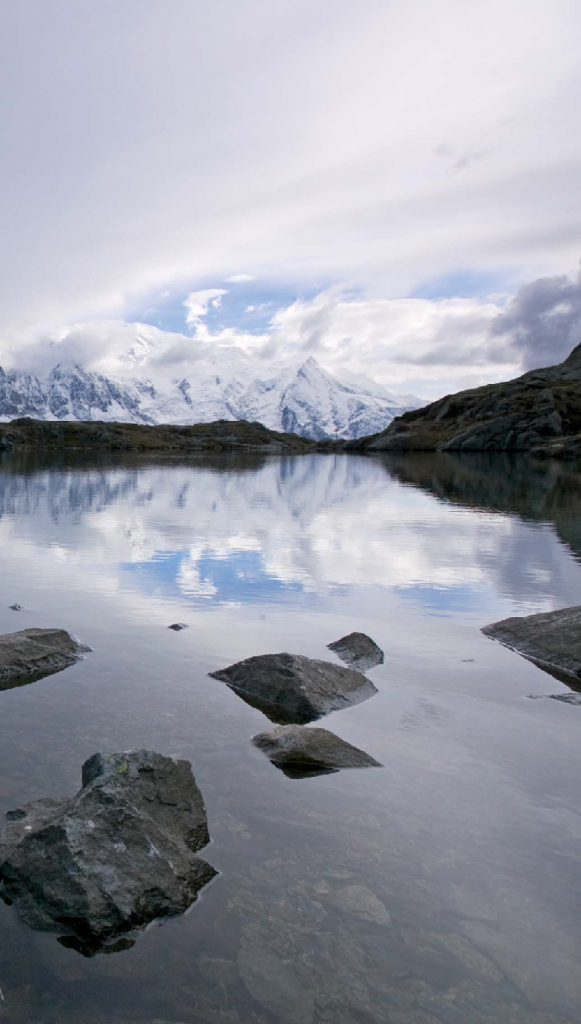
469 836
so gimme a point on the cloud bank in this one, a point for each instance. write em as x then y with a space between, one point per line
428 346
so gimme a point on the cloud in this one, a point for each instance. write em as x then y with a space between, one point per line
419 345
197 303
240 278
121 185
396 341
543 320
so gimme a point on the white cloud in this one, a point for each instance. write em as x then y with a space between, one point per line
197 303
240 278
423 346
398 341
436 346
119 185
409 343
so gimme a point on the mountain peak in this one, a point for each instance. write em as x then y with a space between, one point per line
310 365
195 383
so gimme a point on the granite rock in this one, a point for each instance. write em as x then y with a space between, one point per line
300 751
358 651
551 639
31 654
97 868
292 688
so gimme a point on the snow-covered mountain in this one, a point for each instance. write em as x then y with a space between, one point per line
211 383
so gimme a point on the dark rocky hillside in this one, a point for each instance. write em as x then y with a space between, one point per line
539 411
223 435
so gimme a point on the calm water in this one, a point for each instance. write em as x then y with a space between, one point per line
469 836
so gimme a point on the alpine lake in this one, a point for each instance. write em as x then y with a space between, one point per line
441 888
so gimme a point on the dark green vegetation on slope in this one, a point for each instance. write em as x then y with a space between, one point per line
539 411
223 435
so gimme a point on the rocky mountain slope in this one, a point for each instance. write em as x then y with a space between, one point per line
220 383
540 410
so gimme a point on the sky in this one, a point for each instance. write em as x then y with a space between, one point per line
392 187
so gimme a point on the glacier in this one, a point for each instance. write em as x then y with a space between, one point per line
213 383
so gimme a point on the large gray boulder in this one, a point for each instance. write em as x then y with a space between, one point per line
553 639
119 854
302 752
292 688
358 651
32 653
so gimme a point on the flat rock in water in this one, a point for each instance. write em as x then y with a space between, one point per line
361 902
292 688
15 607
301 752
120 853
552 639
358 650
276 985
176 626
32 654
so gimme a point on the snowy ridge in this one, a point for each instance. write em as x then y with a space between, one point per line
211 383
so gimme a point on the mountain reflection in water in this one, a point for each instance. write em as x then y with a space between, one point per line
442 889
299 523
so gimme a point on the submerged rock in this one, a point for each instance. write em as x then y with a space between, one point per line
361 902
358 650
176 626
301 752
33 653
551 639
276 985
15 607
292 688
119 854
